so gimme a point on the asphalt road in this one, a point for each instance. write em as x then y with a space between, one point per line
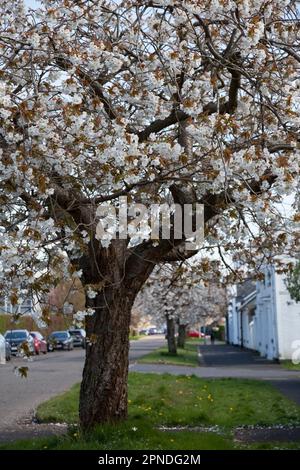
49 375
56 372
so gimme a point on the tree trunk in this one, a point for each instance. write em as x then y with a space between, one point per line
116 274
181 336
172 348
103 394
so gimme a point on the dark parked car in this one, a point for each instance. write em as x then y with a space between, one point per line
40 344
152 331
60 340
20 341
78 336
143 332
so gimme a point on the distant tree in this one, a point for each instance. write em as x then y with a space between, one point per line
176 295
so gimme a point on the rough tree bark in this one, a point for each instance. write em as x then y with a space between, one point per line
116 274
103 394
172 347
181 336
116 280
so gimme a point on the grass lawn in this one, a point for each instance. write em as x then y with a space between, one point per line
289 365
184 357
166 400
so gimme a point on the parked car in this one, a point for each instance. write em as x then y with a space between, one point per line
152 331
195 334
60 340
143 332
2 349
78 336
5 351
161 331
20 341
40 344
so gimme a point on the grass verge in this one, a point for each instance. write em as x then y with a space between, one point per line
165 400
289 365
184 357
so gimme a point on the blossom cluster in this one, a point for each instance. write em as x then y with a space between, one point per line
93 98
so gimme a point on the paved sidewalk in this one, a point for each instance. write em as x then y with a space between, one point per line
267 434
276 373
289 388
224 355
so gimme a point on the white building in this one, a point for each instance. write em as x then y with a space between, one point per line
25 308
263 317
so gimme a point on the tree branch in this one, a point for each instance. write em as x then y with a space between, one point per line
94 85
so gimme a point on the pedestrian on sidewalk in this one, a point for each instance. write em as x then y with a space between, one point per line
212 337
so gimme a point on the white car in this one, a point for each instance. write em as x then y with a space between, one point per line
5 351
2 350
